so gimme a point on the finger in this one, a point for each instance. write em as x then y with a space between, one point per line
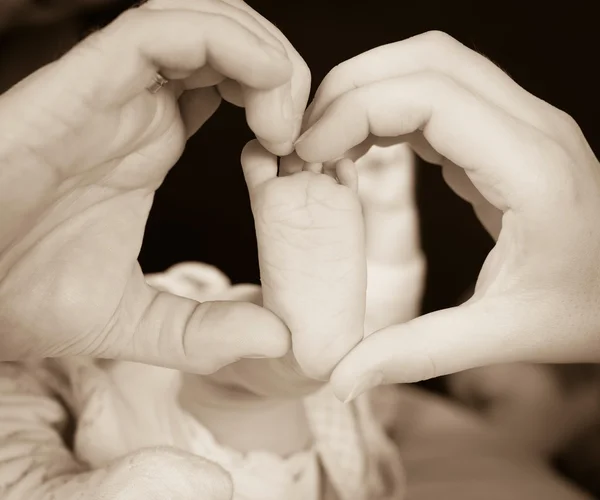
275 115
121 60
204 77
315 168
440 53
197 106
347 174
490 331
258 164
231 91
448 341
489 216
290 164
507 159
163 329
153 474
274 135
246 17
270 114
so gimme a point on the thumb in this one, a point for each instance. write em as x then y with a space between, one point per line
151 474
163 329
474 334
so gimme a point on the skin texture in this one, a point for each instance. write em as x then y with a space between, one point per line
81 160
311 248
532 179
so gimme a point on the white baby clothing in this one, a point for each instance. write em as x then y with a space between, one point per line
121 407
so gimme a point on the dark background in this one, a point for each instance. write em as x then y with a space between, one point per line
202 211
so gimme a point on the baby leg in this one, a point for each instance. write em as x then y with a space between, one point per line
395 261
310 235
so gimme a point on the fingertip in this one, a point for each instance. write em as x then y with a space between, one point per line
251 148
290 164
271 67
345 377
347 174
270 115
277 148
231 91
269 336
259 166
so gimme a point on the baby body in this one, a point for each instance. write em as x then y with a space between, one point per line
272 424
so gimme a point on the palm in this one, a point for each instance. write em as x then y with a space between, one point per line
78 262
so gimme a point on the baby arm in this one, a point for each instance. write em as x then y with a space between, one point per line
34 460
395 261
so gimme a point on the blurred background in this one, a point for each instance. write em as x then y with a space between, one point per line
202 211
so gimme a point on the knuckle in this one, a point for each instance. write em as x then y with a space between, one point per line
565 123
438 40
555 173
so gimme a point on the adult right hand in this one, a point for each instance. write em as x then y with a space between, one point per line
83 148
533 181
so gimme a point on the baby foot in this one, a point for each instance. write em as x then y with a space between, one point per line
310 235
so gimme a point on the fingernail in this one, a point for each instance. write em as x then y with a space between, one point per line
257 356
365 383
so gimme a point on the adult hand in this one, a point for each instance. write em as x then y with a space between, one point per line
83 148
533 180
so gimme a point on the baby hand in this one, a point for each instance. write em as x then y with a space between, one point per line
152 474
